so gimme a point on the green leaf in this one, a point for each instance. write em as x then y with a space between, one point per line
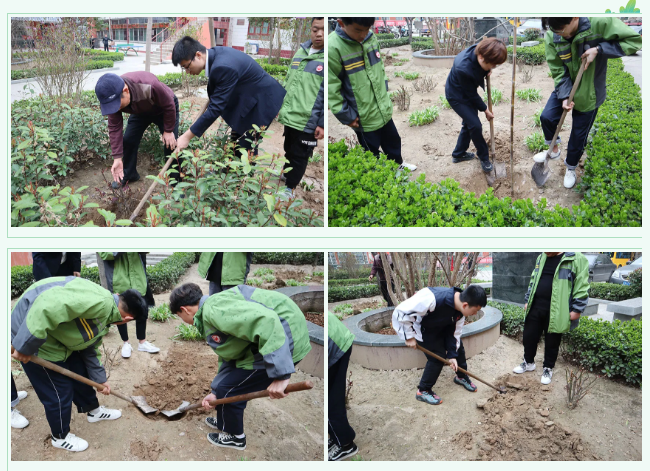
270 201
280 219
123 222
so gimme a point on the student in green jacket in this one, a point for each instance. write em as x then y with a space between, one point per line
128 270
63 320
225 270
340 444
259 336
302 109
357 88
557 295
569 40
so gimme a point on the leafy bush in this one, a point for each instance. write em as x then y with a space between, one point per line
497 96
444 103
22 277
343 293
636 284
187 332
535 142
382 36
96 54
263 271
161 313
611 291
50 206
519 40
92 64
530 95
319 274
420 44
286 61
288 258
512 323
99 64
535 55
532 34
175 79
350 282
384 43
164 275
341 274
275 69
425 116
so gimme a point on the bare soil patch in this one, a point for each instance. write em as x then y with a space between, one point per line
430 146
315 318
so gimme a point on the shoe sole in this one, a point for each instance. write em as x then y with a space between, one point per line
429 403
234 447
145 351
19 427
92 421
349 455
457 161
211 426
66 449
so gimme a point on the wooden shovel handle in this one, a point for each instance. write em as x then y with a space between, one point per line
151 187
446 362
70 374
295 387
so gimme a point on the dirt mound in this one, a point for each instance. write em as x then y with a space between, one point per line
181 377
516 426
315 318
149 451
386 331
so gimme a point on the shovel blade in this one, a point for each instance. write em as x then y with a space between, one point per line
178 410
540 173
141 403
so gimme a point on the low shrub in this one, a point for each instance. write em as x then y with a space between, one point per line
497 96
161 313
286 61
535 142
636 284
164 275
92 64
344 309
175 79
292 282
611 291
534 55
343 293
530 95
520 40
275 69
288 258
263 271
350 282
187 332
22 277
425 116
385 43
512 323
532 34
96 54
420 44
382 36
99 64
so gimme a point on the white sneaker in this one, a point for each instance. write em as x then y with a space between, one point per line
17 420
126 350
547 375
569 178
70 443
523 367
22 395
102 413
410 167
148 347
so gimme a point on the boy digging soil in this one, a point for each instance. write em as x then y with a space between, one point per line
259 336
468 73
434 318
358 88
567 42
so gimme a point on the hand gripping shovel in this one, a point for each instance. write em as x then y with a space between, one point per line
540 171
185 406
501 390
139 401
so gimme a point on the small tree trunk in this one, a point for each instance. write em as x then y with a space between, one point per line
213 41
272 34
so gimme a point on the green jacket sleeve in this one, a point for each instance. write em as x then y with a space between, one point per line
108 255
619 39
580 294
290 72
560 73
532 280
384 67
92 358
341 109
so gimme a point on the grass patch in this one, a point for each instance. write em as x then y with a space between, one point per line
254 282
187 332
319 273
444 103
161 313
263 271
531 95
425 116
344 310
537 118
292 282
497 97
535 142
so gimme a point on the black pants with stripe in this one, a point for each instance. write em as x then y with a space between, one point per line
57 393
232 381
337 416
386 137
435 343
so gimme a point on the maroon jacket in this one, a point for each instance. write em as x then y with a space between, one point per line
378 268
149 96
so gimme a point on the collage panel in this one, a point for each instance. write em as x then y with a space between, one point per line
464 110
484 356
167 121
129 339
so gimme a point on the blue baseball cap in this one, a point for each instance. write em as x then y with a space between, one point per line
109 90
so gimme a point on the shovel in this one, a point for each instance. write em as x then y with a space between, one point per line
151 187
501 390
185 406
540 171
491 178
139 401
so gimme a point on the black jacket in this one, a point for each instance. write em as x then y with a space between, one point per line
464 79
48 264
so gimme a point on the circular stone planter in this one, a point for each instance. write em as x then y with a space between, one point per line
426 58
388 352
311 298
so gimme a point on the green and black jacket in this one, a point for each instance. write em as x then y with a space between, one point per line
304 102
127 270
613 39
60 315
339 339
357 83
235 267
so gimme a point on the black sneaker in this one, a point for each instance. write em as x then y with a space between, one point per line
337 453
227 441
463 158
487 166
212 423
330 444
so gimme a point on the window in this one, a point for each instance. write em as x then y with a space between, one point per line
265 28
241 22
625 255
332 258
251 29
119 34
138 34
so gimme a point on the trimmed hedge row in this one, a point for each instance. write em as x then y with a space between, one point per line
283 60
609 348
162 276
275 69
343 293
343 274
175 79
385 43
534 55
611 292
365 191
351 282
93 64
289 258
382 36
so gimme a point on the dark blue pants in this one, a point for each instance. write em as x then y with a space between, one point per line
582 123
135 128
386 137
57 392
14 392
337 416
232 381
472 130
216 288
435 343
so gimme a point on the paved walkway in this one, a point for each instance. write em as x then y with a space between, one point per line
633 66
131 63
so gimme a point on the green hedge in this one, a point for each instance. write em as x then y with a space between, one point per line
283 60
421 44
365 191
175 79
343 293
109 56
99 64
385 43
534 55
382 36
609 348
341 274
289 258
22 278
520 40
611 291
351 282
274 69
92 64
